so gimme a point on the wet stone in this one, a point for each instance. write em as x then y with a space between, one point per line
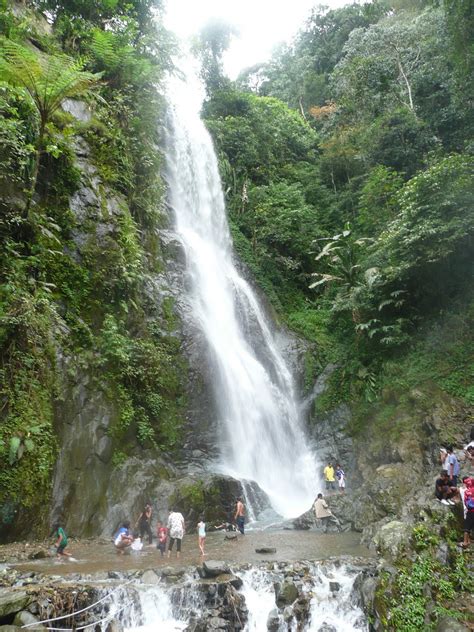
265 550
150 577
273 621
217 623
215 568
286 594
334 587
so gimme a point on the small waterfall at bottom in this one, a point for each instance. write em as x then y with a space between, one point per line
274 597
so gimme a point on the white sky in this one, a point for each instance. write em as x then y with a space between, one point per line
262 24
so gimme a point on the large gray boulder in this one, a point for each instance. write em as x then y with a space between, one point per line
392 538
12 601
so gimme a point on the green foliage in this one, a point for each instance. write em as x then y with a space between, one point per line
146 374
73 282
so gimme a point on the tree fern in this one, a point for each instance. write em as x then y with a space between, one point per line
48 80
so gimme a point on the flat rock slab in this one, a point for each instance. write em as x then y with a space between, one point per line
12 601
265 550
215 568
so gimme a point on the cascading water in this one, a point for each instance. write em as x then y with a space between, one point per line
261 432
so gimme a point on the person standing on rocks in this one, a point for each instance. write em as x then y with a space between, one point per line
329 477
176 530
323 513
452 465
468 507
240 515
341 478
144 523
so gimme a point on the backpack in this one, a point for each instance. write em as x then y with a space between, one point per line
470 503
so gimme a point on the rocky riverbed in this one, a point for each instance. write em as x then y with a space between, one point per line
213 595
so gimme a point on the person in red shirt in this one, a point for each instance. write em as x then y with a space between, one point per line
162 536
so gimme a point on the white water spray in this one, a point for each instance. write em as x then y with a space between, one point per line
261 433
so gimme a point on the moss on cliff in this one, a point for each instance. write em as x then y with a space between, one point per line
75 267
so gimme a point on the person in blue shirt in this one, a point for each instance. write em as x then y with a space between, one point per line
123 538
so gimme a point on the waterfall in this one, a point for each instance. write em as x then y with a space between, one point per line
334 610
261 436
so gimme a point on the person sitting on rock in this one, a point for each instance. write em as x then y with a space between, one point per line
227 526
323 513
444 491
123 538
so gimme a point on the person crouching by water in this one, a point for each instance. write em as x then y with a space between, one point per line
162 537
123 538
176 531
323 513
61 541
240 515
144 523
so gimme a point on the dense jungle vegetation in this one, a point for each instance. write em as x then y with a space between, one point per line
348 169
73 270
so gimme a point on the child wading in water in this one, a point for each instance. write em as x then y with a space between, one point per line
61 542
162 536
202 535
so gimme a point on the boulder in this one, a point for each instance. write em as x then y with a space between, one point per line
273 621
334 587
213 568
230 536
12 601
392 538
265 550
150 577
114 626
39 555
217 623
286 594
446 624
26 618
227 578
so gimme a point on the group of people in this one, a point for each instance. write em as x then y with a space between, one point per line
166 536
172 533
331 475
448 492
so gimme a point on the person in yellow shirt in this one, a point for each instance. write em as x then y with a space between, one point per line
329 478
